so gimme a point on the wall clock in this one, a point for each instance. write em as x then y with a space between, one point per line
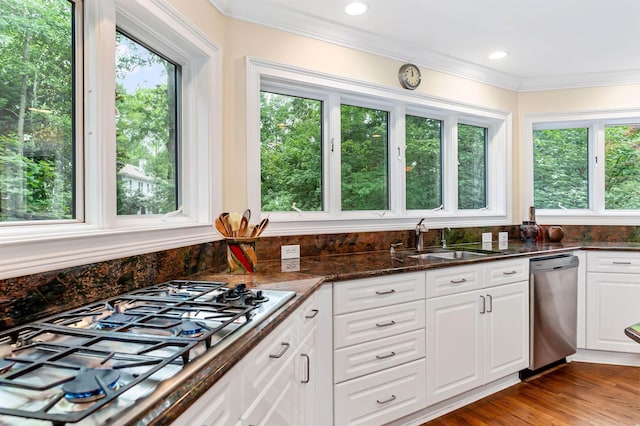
409 76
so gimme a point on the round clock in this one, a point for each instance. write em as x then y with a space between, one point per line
409 76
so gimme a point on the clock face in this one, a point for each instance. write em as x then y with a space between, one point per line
409 76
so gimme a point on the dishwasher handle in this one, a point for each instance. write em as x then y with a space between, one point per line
553 263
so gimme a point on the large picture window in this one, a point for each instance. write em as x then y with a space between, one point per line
332 155
583 169
109 125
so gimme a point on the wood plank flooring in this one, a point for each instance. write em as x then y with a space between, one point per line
573 394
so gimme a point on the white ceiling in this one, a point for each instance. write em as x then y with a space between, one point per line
551 43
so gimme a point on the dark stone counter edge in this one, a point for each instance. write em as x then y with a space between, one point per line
169 407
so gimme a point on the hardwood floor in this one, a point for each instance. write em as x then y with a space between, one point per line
573 394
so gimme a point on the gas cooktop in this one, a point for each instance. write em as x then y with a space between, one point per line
87 365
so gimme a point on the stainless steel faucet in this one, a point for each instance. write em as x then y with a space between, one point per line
443 236
420 230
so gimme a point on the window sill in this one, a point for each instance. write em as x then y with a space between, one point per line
62 246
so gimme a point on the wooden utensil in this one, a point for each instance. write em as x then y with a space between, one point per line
242 231
220 227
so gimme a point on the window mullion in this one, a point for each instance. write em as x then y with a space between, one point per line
450 166
100 122
332 176
597 168
397 147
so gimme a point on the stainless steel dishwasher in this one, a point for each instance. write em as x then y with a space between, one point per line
553 299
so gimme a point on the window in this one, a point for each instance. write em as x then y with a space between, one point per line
583 169
423 163
146 122
622 167
365 181
119 127
472 167
561 168
333 155
37 143
290 152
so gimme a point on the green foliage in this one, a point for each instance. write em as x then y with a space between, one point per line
622 167
290 153
423 163
36 110
365 180
472 167
561 168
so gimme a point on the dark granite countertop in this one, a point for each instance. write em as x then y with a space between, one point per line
179 393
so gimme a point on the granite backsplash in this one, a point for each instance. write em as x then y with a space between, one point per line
28 298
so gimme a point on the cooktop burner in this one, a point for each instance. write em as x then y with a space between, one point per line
90 385
88 364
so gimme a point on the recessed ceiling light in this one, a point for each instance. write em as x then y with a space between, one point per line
498 54
355 8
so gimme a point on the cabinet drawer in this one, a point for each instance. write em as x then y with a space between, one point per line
506 271
382 397
366 358
308 316
455 279
609 261
356 295
363 326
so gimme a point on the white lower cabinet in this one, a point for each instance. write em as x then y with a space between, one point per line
218 406
613 302
285 380
476 337
379 349
381 397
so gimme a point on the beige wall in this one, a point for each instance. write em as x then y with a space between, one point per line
239 40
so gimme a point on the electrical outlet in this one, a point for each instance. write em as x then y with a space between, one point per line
503 236
290 265
487 237
290 252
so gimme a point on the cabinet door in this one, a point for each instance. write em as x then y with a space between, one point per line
219 406
506 330
454 345
278 403
307 375
612 305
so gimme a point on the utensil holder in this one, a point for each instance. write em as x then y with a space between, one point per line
529 232
241 255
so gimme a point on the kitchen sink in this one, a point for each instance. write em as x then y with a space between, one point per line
449 255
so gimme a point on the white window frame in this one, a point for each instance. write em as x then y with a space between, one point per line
595 121
398 102
98 234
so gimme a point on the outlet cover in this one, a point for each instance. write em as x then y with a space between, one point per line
487 237
290 252
503 236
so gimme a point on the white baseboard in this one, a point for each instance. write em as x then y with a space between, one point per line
604 357
456 402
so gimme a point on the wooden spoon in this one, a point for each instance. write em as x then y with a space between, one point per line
221 228
242 231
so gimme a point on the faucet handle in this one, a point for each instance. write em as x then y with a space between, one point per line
392 248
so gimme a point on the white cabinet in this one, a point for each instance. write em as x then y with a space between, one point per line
613 297
285 380
475 337
219 406
379 342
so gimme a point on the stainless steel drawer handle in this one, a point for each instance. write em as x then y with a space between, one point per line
380 293
285 348
490 308
385 324
389 355
313 314
483 305
386 401
460 281
509 273
308 375
620 263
